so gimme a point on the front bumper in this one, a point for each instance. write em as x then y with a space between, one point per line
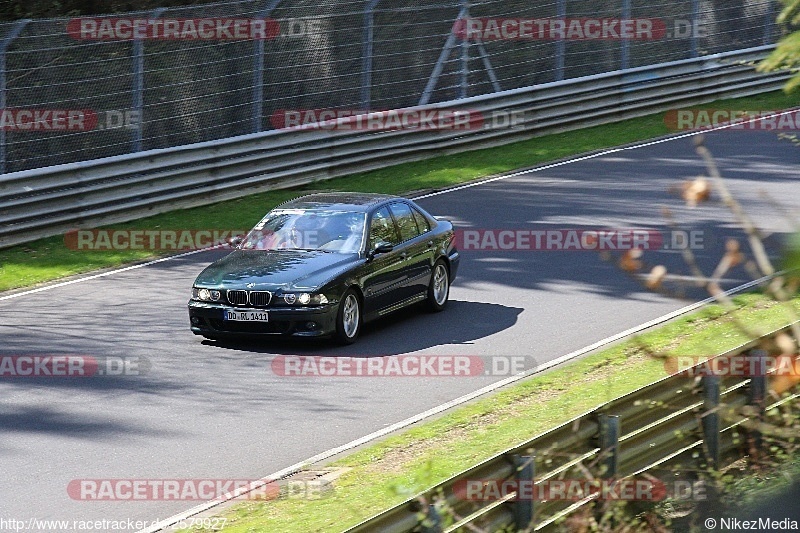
207 319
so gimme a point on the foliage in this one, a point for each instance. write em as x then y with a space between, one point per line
787 53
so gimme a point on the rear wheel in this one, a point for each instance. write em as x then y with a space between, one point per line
439 288
348 319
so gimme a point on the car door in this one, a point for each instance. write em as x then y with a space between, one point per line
416 252
383 273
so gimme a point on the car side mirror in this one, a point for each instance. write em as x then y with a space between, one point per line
382 247
236 240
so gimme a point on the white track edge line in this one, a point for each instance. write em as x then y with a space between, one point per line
103 274
448 405
601 153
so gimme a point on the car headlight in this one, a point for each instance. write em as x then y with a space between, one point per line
206 295
304 298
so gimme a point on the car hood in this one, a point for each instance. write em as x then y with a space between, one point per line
275 269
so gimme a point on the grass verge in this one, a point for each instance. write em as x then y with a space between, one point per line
48 259
386 473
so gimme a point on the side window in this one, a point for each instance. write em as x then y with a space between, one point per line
382 228
405 221
422 222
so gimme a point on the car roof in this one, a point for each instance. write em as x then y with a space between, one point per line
348 201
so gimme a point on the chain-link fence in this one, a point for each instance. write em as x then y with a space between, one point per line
78 89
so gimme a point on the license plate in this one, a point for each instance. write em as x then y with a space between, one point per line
246 315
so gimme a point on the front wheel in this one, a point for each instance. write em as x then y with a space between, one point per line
348 319
439 288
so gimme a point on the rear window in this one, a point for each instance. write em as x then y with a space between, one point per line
406 222
422 222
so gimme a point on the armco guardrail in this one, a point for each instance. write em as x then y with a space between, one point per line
679 424
48 201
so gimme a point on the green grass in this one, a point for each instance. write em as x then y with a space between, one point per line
49 259
400 466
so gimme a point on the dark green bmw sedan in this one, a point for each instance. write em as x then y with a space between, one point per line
323 265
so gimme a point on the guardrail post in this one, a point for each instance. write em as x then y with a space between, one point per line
625 53
138 84
524 472
4 46
757 392
608 457
710 418
432 522
609 445
258 70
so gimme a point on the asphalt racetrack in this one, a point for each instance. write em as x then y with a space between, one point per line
204 410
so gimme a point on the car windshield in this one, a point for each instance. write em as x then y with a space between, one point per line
308 229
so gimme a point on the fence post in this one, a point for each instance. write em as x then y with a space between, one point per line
464 85
695 22
561 47
258 84
710 418
367 44
626 43
4 46
524 472
258 71
138 84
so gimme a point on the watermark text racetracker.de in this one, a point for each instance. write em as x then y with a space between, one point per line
556 240
193 489
628 489
171 29
576 29
474 239
474 29
110 239
141 239
398 119
194 29
71 366
413 366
